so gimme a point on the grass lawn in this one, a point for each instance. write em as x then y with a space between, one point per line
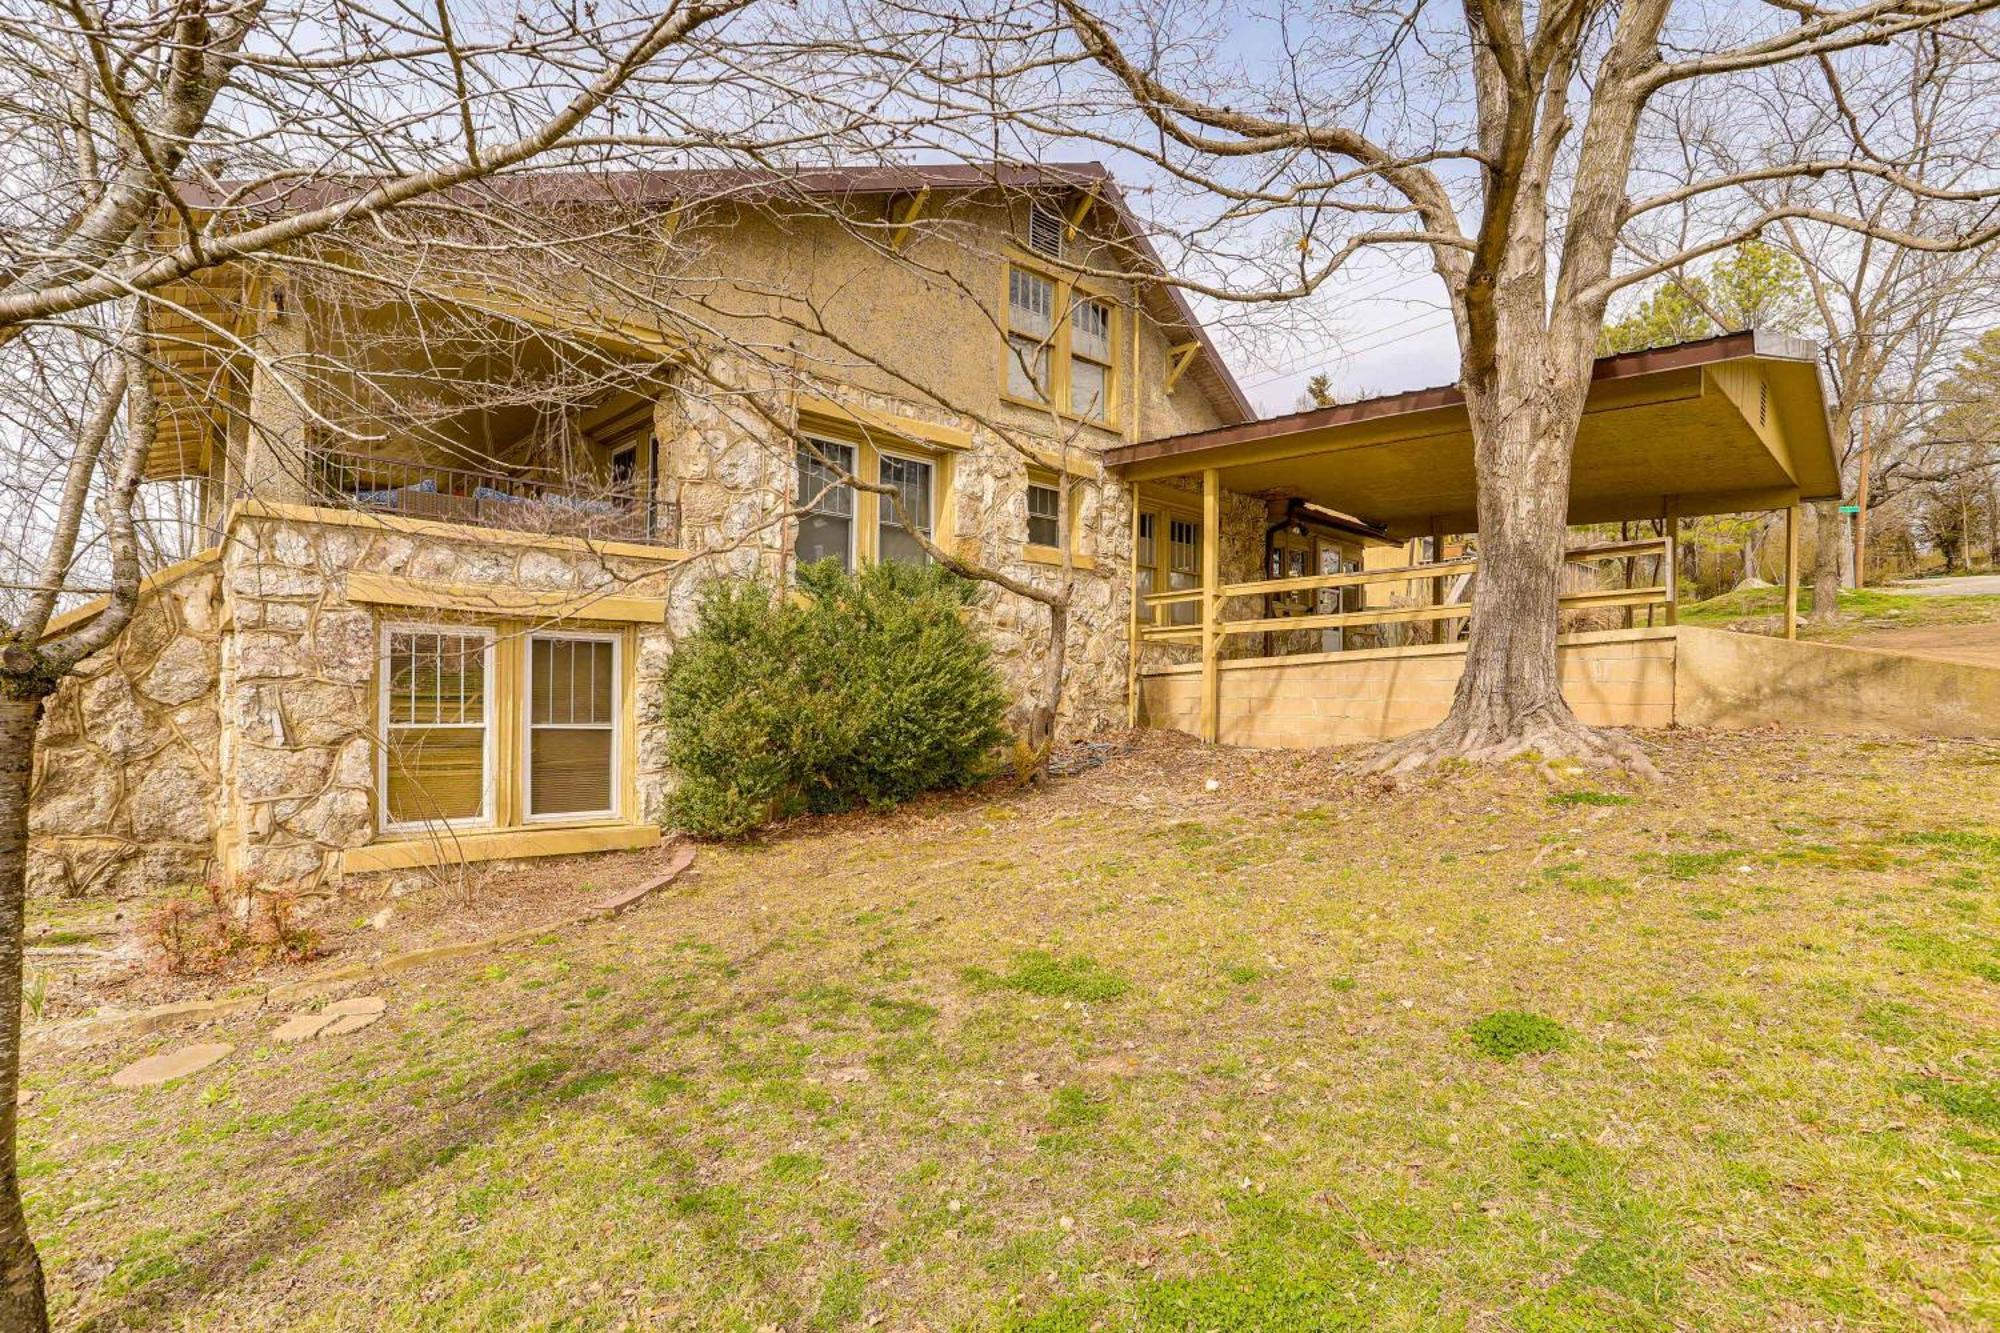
1864 611
1296 1053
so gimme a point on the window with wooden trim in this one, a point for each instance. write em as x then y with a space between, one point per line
1168 559
1090 360
858 527
572 734
1044 513
827 527
436 707
913 479
1061 346
1031 327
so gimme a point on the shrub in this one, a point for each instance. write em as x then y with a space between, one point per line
863 692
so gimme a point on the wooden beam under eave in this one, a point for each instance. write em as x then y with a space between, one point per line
1078 213
911 212
1183 355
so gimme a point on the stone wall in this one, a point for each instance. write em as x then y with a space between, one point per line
127 762
299 745
731 479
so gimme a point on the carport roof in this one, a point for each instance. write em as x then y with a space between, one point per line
1725 424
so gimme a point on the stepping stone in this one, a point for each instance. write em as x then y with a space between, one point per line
347 1023
304 1027
371 1005
166 1067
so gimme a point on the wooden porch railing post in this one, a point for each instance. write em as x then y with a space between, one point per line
1211 604
1132 652
1792 571
1670 573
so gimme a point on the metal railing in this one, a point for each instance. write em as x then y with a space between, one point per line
610 511
1157 626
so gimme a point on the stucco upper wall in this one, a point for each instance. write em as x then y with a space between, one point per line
925 320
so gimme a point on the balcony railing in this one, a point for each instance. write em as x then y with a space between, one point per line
623 509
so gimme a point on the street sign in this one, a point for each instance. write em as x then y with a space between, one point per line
1850 509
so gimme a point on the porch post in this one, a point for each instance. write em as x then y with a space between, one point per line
1132 652
1792 570
1672 562
1211 604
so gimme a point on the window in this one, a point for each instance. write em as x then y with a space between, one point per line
1046 232
912 480
1183 567
1044 515
827 529
1090 360
1173 565
572 725
1060 347
435 711
1031 320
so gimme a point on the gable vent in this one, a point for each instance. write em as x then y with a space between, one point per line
1045 233
1763 402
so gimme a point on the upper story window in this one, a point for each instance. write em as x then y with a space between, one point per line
1031 326
1061 346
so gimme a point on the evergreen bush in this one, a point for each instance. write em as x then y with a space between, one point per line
864 690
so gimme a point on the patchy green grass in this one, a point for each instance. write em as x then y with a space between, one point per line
1510 1032
1862 612
1129 1054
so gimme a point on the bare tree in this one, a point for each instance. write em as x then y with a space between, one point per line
146 144
1519 149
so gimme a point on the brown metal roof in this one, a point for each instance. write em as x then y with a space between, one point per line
549 188
1719 425
1622 365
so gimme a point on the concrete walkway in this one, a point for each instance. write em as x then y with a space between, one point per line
1969 585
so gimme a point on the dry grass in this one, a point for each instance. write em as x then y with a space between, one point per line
1132 1053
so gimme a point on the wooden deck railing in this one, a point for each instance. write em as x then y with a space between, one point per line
1162 630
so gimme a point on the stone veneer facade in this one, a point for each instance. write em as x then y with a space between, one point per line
231 729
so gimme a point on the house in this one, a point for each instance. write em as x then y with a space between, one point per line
452 517
452 522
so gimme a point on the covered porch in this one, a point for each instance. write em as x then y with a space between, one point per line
1306 580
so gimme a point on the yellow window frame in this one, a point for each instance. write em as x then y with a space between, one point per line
869 507
507 723
1070 487
1069 292
1164 514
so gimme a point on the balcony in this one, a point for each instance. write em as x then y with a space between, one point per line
619 507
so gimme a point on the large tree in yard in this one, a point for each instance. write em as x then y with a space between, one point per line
1540 158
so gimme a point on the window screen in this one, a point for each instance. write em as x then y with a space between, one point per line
828 528
1147 555
1044 515
1090 360
435 716
572 724
912 479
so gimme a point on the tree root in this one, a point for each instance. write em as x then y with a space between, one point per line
1553 738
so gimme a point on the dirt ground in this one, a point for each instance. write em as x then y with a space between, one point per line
94 953
1977 644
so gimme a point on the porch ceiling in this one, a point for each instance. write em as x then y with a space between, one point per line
1723 425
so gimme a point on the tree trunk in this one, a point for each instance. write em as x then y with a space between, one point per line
1826 562
22 1305
1509 701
